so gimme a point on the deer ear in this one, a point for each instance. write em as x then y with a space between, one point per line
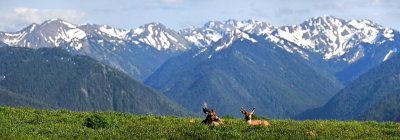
213 110
205 110
252 110
241 111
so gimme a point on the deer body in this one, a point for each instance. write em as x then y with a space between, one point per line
212 118
247 117
258 122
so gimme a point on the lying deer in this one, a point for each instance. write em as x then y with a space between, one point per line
211 118
247 117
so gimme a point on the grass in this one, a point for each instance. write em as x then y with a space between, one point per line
27 123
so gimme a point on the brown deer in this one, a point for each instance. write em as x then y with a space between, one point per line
211 118
247 117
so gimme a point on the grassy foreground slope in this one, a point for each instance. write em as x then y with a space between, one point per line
27 123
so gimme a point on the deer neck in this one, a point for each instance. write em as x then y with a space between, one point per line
208 120
248 121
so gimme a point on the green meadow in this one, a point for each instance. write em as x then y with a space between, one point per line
28 123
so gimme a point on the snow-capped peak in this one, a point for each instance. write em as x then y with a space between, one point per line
58 31
114 32
228 39
213 31
326 35
159 36
50 33
55 32
336 35
58 22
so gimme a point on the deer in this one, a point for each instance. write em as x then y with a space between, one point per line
247 117
212 118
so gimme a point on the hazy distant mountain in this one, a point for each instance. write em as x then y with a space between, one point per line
137 52
57 78
55 32
243 70
361 94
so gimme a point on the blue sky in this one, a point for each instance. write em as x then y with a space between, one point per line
179 14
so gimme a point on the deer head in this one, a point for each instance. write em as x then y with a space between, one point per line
247 115
211 116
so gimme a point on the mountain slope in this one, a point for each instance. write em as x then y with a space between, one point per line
243 70
361 94
387 109
8 98
62 80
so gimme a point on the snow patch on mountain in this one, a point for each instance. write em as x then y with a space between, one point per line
389 54
33 27
228 39
69 34
113 32
201 51
14 39
69 25
388 33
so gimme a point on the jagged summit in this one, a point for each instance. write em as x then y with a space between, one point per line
228 39
48 34
159 36
213 31
53 32
333 37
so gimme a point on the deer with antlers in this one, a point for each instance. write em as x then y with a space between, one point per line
247 117
211 118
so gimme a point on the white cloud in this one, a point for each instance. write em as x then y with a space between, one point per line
172 1
21 17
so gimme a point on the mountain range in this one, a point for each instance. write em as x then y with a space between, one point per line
137 52
335 45
284 70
